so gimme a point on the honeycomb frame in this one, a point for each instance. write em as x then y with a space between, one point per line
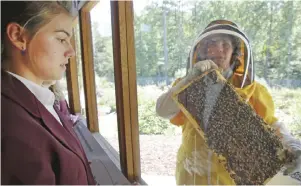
250 151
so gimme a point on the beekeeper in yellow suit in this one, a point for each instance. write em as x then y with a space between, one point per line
221 46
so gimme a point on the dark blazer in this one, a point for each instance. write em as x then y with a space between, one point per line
35 147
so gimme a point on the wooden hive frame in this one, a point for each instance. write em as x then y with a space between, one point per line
242 141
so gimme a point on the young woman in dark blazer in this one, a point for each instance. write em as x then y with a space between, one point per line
39 145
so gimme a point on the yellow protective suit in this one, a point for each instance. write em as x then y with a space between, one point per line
196 165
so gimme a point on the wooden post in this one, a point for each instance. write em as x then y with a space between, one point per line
72 81
126 88
88 66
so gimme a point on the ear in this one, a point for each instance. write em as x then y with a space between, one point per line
16 35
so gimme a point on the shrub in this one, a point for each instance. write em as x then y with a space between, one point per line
149 121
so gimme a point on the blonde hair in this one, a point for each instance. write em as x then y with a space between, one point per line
32 15
57 90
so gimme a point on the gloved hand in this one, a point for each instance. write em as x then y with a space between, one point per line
166 107
295 166
199 68
291 143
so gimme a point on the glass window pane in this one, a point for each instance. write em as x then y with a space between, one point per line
78 53
153 78
164 34
104 76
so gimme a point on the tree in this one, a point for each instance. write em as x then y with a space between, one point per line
102 50
273 27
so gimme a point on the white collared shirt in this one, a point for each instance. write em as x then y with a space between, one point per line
44 95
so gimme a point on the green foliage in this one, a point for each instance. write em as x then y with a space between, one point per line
288 105
105 92
149 122
273 27
102 54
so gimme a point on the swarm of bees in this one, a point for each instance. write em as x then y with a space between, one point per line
252 153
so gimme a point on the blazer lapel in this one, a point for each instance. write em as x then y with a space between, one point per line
60 132
19 93
66 121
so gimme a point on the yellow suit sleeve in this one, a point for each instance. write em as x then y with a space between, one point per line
178 119
263 104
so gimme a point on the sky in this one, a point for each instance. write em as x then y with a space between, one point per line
101 13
